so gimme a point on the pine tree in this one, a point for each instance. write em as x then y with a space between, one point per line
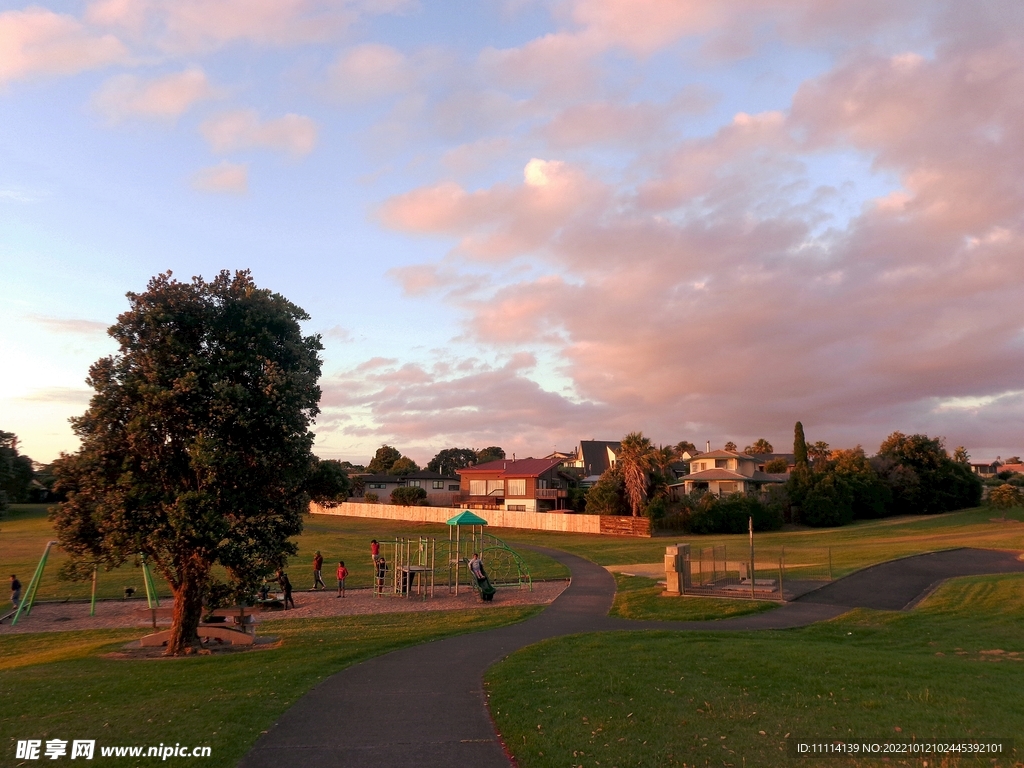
799 445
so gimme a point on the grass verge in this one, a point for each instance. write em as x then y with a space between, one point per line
950 669
638 597
61 685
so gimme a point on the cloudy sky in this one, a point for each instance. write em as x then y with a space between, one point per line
526 222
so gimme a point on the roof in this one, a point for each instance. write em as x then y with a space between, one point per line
382 478
426 474
723 455
594 455
728 474
715 474
466 518
766 457
518 468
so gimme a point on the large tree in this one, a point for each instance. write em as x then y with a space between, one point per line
16 471
448 461
383 460
761 446
328 482
634 461
490 453
195 448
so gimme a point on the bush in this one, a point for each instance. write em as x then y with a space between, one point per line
776 466
409 496
732 515
371 498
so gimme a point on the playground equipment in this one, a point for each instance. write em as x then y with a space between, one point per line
25 606
503 564
412 562
420 563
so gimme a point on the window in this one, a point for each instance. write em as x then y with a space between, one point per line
517 487
414 483
439 485
486 487
728 487
721 463
453 487
377 486
515 507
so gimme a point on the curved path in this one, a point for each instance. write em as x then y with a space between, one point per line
425 705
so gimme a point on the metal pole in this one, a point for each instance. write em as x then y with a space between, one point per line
152 601
830 563
30 593
92 603
751 527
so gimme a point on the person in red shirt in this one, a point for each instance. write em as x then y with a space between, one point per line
374 550
342 575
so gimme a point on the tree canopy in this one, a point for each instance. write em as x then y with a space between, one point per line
16 472
328 482
450 460
195 448
390 461
760 446
635 460
491 453
383 460
730 446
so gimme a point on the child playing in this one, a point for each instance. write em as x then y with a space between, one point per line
342 575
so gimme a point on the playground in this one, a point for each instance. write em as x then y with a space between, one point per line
872 668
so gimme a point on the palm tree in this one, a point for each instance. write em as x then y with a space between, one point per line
662 460
635 460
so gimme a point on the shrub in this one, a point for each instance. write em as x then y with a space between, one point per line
732 514
371 498
776 466
408 496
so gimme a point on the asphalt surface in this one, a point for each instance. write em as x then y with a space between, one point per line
425 705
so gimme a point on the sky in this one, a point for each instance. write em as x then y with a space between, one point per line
526 222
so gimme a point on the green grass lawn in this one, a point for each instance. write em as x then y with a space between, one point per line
24 531
637 597
61 685
952 668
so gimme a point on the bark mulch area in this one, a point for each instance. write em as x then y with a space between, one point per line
116 614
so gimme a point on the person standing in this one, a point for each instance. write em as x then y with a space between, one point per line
286 587
15 591
318 566
381 567
342 575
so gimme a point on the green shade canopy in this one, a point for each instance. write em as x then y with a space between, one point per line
467 518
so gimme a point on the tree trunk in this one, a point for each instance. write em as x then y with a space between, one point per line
188 607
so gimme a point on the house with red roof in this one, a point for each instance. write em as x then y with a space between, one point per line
725 473
515 485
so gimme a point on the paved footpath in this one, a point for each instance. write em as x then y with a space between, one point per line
425 705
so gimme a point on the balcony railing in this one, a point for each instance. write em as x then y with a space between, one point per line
552 493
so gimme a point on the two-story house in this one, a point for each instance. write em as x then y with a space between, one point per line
724 473
516 485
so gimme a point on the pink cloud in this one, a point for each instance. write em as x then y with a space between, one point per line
164 98
225 177
242 129
711 288
370 71
36 42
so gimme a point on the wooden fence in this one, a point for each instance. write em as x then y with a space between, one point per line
497 518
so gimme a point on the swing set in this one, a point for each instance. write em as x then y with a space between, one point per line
26 603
